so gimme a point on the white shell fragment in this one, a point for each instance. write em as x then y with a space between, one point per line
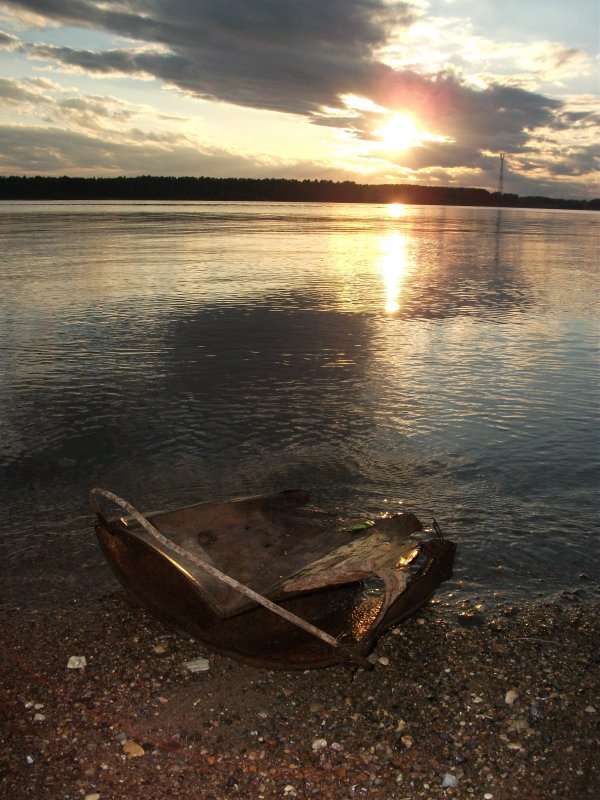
197 665
77 662
449 781
319 744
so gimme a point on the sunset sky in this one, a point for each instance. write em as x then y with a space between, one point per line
428 91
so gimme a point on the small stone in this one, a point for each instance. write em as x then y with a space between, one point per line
488 796
407 741
197 665
159 649
133 749
511 696
38 706
39 717
77 662
289 791
449 781
337 747
590 710
518 725
29 760
384 661
319 744
400 726
92 796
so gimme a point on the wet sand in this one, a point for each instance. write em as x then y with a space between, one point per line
494 706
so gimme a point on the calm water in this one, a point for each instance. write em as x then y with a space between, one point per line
440 359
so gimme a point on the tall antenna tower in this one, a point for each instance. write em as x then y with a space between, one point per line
501 176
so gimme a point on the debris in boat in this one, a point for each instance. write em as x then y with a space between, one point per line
273 581
77 662
197 665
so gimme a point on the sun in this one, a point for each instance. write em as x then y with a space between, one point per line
399 133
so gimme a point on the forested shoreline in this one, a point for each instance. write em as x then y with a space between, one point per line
147 187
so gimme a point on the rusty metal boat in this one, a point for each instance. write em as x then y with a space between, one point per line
271 580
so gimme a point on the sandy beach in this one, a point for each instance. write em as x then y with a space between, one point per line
489 705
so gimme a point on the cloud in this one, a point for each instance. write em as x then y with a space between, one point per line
292 57
302 57
280 55
51 150
8 41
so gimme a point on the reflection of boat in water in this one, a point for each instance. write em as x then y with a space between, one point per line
271 580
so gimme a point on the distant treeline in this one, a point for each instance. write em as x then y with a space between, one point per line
147 187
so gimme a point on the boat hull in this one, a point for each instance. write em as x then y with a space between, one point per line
349 610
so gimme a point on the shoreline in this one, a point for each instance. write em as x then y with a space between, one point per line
494 705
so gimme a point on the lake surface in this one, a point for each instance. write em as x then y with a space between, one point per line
440 359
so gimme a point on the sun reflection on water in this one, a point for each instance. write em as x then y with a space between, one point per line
394 266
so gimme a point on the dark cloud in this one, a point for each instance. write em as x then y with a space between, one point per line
281 55
294 57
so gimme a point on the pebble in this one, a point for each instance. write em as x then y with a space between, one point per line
384 661
197 665
518 725
449 781
159 649
133 749
511 696
77 662
488 796
39 717
407 741
93 796
590 710
319 744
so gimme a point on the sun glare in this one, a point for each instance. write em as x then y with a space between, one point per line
399 133
396 210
